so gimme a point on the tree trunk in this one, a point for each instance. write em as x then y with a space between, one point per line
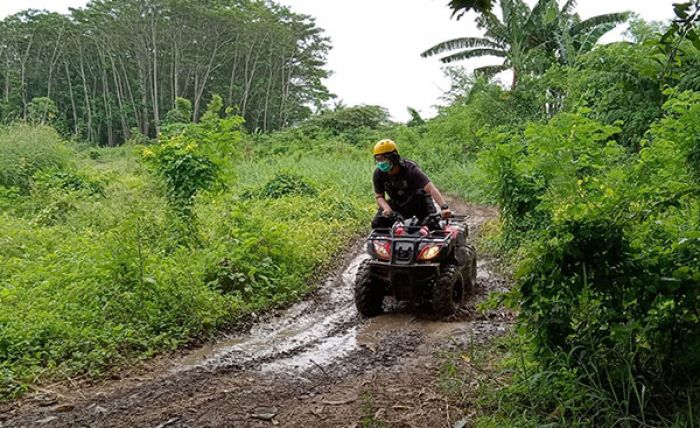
76 131
120 102
199 92
23 73
234 66
156 113
88 108
270 78
52 64
134 106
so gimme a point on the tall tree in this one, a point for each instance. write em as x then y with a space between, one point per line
118 65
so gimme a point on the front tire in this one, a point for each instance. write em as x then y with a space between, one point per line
448 291
369 296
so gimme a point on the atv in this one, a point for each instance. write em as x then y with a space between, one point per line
413 263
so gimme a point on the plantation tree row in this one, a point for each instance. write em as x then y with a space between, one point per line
116 67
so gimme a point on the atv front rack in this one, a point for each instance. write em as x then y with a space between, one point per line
436 236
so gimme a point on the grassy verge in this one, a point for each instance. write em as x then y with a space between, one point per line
94 273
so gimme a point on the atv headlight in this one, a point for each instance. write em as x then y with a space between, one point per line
429 252
382 249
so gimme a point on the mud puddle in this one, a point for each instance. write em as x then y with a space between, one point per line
318 332
321 329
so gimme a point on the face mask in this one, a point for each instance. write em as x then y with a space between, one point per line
384 166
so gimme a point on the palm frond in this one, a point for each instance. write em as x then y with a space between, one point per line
460 7
513 12
540 6
590 39
538 12
591 23
542 23
473 53
490 70
569 7
461 43
495 29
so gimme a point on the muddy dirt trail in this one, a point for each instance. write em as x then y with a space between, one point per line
315 364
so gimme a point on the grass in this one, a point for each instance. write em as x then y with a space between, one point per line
369 418
89 282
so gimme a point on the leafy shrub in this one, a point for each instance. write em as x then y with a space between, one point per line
218 138
346 120
42 111
26 150
69 181
137 138
416 119
181 112
534 172
94 154
283 185
184 170
610 272
9 197
620 85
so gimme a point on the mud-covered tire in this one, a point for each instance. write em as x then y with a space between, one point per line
469 272
448 291
369 296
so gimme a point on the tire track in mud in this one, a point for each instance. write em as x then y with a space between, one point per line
311 332
310 365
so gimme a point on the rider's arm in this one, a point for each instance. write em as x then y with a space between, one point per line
383 204
435 193
437 196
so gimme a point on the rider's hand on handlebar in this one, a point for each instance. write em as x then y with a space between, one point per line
387 213
446 213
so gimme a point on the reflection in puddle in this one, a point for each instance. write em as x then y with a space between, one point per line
379 326
328 350
482 271
316 328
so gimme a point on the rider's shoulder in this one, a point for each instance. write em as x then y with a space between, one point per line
409 164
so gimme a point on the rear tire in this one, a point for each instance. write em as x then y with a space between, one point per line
469 272
369 296
448 291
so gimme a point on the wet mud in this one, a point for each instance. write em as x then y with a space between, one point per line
317 363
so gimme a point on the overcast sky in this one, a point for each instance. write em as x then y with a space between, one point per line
377 43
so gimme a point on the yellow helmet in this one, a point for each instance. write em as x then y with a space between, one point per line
385 146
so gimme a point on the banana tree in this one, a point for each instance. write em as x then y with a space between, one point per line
522 36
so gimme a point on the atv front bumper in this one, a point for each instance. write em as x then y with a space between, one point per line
405 282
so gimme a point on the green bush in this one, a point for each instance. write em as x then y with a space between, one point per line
69 181
609 277
26 150
535 172
620 85
346 119
283 185
185 170
42 111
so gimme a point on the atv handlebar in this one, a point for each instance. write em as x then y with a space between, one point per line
436 217
396 217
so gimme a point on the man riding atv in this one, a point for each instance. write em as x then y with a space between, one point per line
413 255
410 191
